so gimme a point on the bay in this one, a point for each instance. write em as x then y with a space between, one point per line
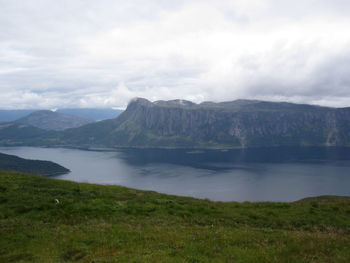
262 174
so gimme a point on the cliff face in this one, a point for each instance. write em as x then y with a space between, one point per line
178 123
230 124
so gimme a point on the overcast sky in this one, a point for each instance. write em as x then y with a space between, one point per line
89 53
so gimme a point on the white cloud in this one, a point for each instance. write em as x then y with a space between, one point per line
102 54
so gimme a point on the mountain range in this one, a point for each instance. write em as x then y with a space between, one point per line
96 114
184 124
50 120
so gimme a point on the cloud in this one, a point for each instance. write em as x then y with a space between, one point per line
102 54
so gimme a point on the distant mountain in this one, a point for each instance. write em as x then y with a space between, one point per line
12 134
49 120
45 168
96 114
92 113
12 115
180 123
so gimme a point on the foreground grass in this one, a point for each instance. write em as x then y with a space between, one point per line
94 223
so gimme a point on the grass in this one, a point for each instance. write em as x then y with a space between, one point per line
94 223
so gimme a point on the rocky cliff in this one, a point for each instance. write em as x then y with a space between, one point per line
241 123
179 123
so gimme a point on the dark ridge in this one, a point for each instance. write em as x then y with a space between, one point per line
44 168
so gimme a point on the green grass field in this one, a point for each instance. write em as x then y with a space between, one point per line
94 223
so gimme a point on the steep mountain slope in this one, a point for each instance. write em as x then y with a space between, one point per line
241 123
49 120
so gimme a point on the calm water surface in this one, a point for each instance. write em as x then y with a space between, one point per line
267 174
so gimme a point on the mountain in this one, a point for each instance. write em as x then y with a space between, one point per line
184 124
50 120
16 134
96 114
240 123
12 115
45 168
93 113
38 128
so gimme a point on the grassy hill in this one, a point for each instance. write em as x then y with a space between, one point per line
94 223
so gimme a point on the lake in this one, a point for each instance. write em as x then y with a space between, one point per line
264 174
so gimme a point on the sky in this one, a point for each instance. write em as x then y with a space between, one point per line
88 53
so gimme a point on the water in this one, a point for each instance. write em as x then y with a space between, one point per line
267 174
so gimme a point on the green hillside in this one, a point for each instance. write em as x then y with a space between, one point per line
48 220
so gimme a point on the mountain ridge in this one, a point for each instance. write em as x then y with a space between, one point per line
97 114
51 120
241 123
231 124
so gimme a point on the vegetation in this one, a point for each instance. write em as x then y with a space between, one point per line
46 168
48 220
